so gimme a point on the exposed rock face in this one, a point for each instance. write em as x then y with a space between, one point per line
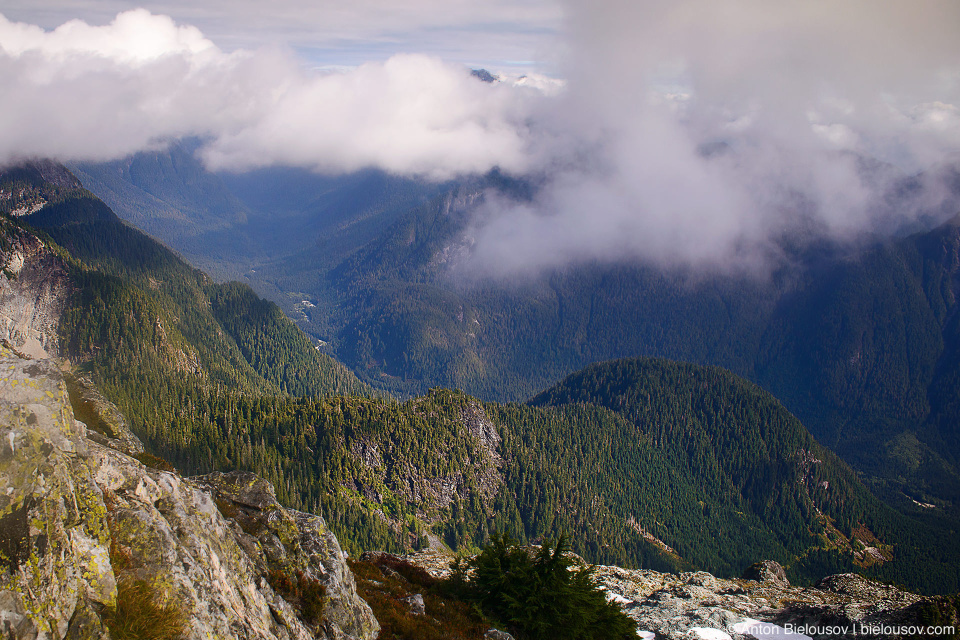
292 542
34 287
767 571
54 533
673 606
427 487
480 426
78 517
28 187
699 605
105 424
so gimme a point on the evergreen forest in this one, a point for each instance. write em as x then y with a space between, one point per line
641 462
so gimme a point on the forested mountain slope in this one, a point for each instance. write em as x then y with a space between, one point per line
682 467
866 354
859 342
139 313
743 447
230 223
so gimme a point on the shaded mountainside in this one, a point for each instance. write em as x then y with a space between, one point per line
866 353
713 474
161 193
27 188
860 343
213 219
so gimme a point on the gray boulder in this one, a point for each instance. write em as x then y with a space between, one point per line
767 571
416 604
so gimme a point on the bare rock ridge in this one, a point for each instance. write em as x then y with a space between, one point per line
82 523
761 604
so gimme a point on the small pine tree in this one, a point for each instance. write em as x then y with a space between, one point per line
540 597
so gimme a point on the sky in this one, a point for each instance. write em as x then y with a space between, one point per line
679 132
503 34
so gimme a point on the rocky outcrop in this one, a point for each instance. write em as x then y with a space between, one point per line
28 187
699 605
457 463
767 571
83 524
105 424
54 531
34 287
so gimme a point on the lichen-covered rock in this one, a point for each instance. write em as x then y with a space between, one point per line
78 516
291 542
105 424
54 536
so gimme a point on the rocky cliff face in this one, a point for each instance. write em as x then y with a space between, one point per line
34 287
86 530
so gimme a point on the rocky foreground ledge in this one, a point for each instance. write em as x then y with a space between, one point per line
762 604
81 519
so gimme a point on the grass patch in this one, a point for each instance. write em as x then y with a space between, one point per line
142 614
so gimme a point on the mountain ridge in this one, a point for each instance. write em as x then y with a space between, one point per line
393 475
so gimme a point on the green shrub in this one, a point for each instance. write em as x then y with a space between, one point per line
540 597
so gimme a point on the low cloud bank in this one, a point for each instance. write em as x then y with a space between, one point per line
85 92
704 133
689 132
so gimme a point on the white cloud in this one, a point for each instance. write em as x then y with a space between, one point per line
134 37
702 132
493 32
409 115
85 92
686 132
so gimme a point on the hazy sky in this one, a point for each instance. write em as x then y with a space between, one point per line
501 34
683 131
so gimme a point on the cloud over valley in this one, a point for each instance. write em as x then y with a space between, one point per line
686 133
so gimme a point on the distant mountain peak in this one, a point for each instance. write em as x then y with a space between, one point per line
484 75
27 187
